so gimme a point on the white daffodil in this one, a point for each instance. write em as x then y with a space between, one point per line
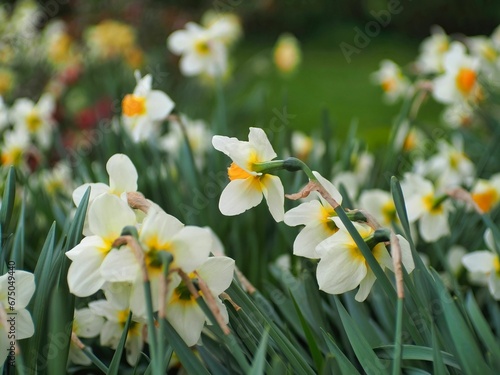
116 311
485 49
485 263
182 310
343 267
201 50
458 115
304 146
450 167
287 54
86 324
18 322
108 215
392 81
122 179
423 203
144 109
35 119
160 232
432 51
459 82
486 193
225 27
380 204
198 136
57 180
15 145
246 187
317 216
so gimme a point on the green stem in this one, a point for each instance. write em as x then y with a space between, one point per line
439 200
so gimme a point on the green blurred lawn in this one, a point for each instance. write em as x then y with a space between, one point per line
327 80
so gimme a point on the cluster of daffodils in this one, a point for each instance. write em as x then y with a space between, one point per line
342 266
16 289
454 72
26 127
203 49
113 259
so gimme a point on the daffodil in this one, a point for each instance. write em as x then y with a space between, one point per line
160 232
432 51
458 115
116 310
317 216
144 109
342 266
107 216
35 119
380 204
304 146
225 27
86 324
15 145
287 54
487 264
247 186
392 81
23 285
425 204
459 83
201 50
486 193
182 310
4 115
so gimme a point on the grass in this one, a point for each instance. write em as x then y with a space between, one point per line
327 81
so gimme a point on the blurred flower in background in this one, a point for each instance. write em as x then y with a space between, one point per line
287 54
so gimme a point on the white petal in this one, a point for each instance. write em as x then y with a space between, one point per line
77 356
338 271
217 272
365 286
159 105
494 285
178 41
84 276
25 287
105 309
303 214
329 187
308 239
95 190
24 324
191 247
188 320
239 196
159 225
406 255
4 345
479 261
120 265
432 227
122 174
191 64
133 348
89 324
273 191
108 215
259 141
239 151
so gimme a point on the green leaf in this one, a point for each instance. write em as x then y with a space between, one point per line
189 361
9 195
437 356
413 352
483 330
396 365
311 340
259 360
467 351
345 365
365 354
114 366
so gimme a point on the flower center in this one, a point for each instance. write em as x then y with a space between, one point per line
486 199
235 172
496 264
33 122
202 47
388 85
133 105
13 157
389 212
326 219
431 204
466 78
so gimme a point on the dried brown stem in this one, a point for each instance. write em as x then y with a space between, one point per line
212 305
137 201
244 282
